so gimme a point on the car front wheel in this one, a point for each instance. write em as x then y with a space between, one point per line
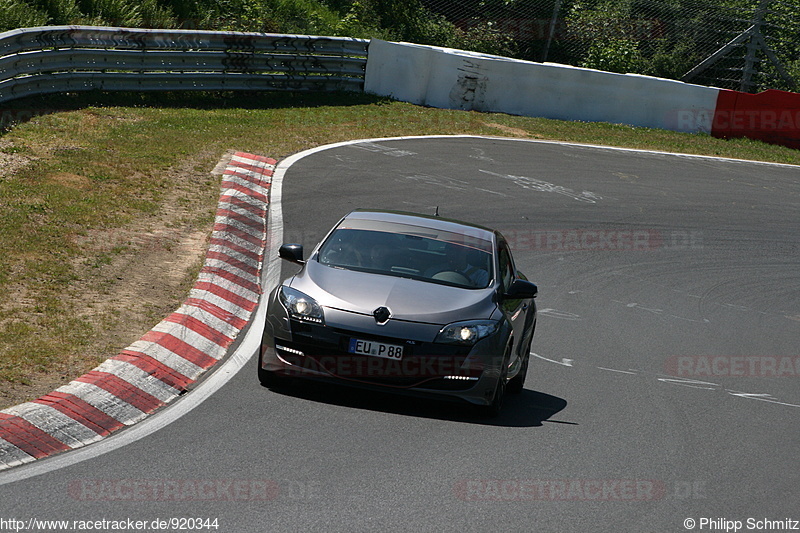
516 383
493 409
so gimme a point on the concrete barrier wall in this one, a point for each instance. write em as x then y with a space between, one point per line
455 79
771 116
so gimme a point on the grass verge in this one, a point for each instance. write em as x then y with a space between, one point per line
106 202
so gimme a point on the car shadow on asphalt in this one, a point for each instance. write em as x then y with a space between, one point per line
527 409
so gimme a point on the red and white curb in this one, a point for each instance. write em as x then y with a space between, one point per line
160 366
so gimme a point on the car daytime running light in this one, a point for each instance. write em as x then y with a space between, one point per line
290 350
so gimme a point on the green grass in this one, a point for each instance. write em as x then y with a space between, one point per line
101 165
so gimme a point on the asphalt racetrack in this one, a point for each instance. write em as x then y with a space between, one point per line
663 395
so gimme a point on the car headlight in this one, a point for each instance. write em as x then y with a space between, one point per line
466 332
301 306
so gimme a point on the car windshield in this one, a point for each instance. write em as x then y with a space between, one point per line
410 251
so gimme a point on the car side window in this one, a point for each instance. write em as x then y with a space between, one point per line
506 265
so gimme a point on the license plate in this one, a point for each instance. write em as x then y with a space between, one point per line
376 349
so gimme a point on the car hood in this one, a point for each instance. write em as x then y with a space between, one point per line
407 299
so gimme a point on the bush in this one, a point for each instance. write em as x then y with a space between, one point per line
614 55
17 14
484 38
59 11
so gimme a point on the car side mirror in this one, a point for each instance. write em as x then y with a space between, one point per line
292 252
521 289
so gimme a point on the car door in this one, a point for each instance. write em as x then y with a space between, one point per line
515 310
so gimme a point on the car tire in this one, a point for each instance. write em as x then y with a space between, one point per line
516 384
493 409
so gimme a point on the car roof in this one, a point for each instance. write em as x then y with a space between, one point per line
426 221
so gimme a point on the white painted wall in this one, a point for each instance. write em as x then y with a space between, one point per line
455 79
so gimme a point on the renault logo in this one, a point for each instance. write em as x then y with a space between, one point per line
381 315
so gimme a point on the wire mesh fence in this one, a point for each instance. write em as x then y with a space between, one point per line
753 44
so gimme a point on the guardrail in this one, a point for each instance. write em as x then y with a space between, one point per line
54 59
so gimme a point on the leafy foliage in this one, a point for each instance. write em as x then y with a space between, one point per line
668 38
18 14
613 55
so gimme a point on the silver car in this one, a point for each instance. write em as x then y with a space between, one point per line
416 304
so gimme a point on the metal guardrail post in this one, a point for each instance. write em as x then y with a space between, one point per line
752 47
754 41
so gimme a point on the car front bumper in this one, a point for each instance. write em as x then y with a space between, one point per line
293 348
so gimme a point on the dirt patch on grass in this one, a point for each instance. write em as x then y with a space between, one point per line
10 160
514 132
126 279
71 180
